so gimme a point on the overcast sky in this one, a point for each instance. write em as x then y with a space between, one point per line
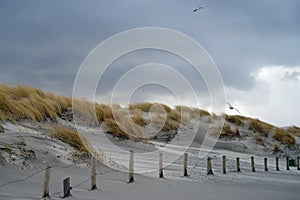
255 44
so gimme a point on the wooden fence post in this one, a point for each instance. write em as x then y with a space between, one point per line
277 164
252 164
266 164
66 187
94 174
131 167
161 173
46 181
224 164
287 163
238 169
209 167
298 164
185 164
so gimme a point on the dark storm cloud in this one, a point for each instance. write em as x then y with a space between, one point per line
44 42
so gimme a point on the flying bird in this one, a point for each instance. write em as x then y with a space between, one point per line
198 8
232 108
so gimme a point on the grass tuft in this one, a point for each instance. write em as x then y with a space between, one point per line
70 136
235 119
258 138
294 130
144 107
198 113
122 126
260 127
284 136
103 112
276 148
137 118
225 131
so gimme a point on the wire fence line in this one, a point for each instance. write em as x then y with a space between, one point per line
194 164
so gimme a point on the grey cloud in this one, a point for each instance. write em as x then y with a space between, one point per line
44 42
294 76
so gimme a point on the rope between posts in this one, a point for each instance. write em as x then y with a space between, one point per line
23 179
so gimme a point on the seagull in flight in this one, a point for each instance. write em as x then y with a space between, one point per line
232 108
198 8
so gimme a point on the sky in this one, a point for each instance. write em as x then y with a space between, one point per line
255 45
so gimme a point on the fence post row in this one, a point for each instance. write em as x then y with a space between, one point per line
238 169
252 164
224 165
209 167
185 164
94 174
67 188
161 173
46 181
266 164
131 167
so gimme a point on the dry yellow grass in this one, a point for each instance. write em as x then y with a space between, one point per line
197 113
72 137
113 128
124 127
276 148
144 107
167 122
186 114
294 130
84 110
284 137
225 131
103 112
147 107
258 138
183 109
173 121
137 118
260 127
22 102
235 119
92 112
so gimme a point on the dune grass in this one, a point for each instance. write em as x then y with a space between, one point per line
258 138
260 127
162 113
147 107
167 121
137 118
235 119
144 107
276 148
294 130
183 109
22 102
173 121
197 113
71 137
122 126
225 132
103 112
284 137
